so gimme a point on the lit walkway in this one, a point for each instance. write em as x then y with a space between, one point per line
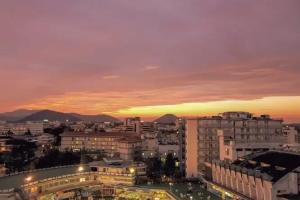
177 190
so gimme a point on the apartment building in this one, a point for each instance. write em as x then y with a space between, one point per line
35 128
135 124
202 141
129 148
231 149
292 134
123 144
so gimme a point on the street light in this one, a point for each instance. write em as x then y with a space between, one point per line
80 169
131 170
28 178
171 184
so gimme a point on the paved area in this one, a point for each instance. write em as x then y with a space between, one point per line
15 181
181 191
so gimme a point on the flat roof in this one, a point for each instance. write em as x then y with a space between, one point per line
275 164
120 164
99 134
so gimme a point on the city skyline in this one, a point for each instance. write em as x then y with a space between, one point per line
144 58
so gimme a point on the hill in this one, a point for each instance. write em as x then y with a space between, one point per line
166 119
16 115
51 116
95 118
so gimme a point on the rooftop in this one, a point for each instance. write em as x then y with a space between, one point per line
236 116
113 163
273 164
15 181
99 134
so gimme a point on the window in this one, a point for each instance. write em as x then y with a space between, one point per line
82 180
227 151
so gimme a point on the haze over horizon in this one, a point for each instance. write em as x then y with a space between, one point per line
148 58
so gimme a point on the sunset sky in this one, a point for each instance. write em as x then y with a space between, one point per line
151 57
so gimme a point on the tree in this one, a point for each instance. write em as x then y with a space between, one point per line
170 165
28 133
21 154
9 132
87 158
56 132
55 158
154 166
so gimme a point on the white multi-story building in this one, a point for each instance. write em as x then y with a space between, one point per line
292 134
202 141
231 149
125 145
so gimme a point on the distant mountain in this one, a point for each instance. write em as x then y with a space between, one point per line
166 119
16 115
96 118
60 116
296 125
51 116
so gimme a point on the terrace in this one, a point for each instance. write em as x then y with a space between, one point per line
29 178
18 179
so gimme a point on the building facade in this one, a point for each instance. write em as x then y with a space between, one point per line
272 175
292 134
35 128
116 172
45 139
231 149
123 144
202 142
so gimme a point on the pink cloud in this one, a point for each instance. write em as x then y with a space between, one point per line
209 50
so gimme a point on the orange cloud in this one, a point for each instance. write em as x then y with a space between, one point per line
132 103
280 107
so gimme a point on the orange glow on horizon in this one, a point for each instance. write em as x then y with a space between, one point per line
278 107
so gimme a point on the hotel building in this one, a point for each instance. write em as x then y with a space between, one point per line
271 175
231 149
202 140
123 144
